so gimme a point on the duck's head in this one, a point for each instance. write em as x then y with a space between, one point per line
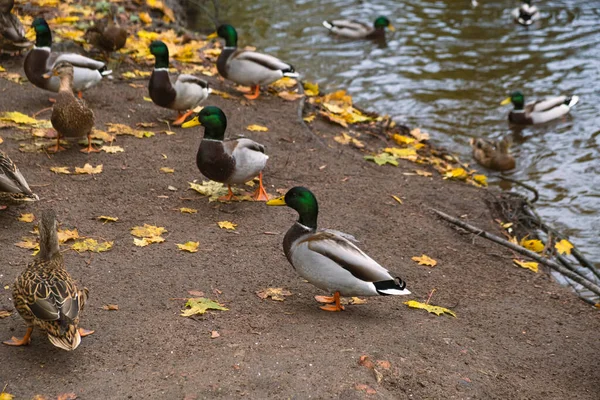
383 22
43 35
213 120
48 228
160 51
516 98
226 32
61 69
303 201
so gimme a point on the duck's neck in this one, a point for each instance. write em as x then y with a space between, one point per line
43 39
162 61
49 247
216 133
66 83
308 219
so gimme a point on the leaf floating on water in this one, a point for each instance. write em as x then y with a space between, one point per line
227 225
89 169
191 247
527 265
533 245
425 260
91 245
26 217
257 128
276 294
382 159
60 170
437 310
199 306
564 247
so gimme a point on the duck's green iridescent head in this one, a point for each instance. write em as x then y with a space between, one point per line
43 35
213 120
160 51
303 201
383 22
516 98
228 33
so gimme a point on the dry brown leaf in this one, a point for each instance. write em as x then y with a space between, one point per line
188 210
110 307
191 247
425 260
60 170
89 169
276 294
214 335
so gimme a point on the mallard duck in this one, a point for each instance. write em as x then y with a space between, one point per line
12 34
493 155
540 111
227 161
359 30
248 68
71 117
106 34
328 259
526 14
40 60
187 93
13 186
46 296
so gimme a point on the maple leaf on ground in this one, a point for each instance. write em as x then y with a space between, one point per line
382 159
276 294
191 247
60 170
437 310
563 247
457 173
147 230
532 265
64 235
533 244
227 225
112 149
406 153
106 218
185 210
91 245
480 179
89 169
143 242
309 118
200 305
26 217
425 260
18 118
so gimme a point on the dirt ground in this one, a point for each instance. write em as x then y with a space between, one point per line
518 335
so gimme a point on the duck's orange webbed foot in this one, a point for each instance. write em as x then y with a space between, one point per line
333 307
181 117
57 147
325 299
260 194
255 93
89 149
14 341
85 332
230 196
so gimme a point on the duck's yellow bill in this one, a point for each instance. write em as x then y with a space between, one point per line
191 123
505 101
280 201
213 35
391 28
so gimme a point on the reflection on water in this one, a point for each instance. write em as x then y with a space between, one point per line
446 69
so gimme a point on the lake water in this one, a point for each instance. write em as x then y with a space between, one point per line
446 69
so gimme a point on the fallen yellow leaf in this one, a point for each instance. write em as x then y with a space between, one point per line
257 128
89 169
167 170
420 172
112 149
18 118
143 242
188 210
64 235
290 96
344 138
191 247
563 247
26 217
60 170
527 265
227 225
425 260
406 153
122 129
107 219
456 173
91 245
416 133
437 310
147 230
200 305
284 83
6 396
276 294
28 243
481 179
309 118
145 18
397 199
357 301
401 139
311 89
383 158
533 245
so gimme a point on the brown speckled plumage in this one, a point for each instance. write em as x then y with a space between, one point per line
106 34
45 295
13 186
12 34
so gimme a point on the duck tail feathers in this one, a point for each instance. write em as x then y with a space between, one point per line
328 25
394 287
103 71
571 101
66 342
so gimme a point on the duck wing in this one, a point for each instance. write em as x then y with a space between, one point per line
185 78
347 256
76 60
264 60
545 105
11 180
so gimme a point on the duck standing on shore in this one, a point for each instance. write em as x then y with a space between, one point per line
328 260
12 34
526 14
359 30
71 117
46 296
227 161
493 155
13 186
187 93
248 68
538 112
106 34
41 60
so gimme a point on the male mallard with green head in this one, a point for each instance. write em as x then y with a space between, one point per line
12 34
106 34
328 260
13 186
493 155
187 93
538 112
71 117
248 68
46 296
359 30
526 14
227 161
41 60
